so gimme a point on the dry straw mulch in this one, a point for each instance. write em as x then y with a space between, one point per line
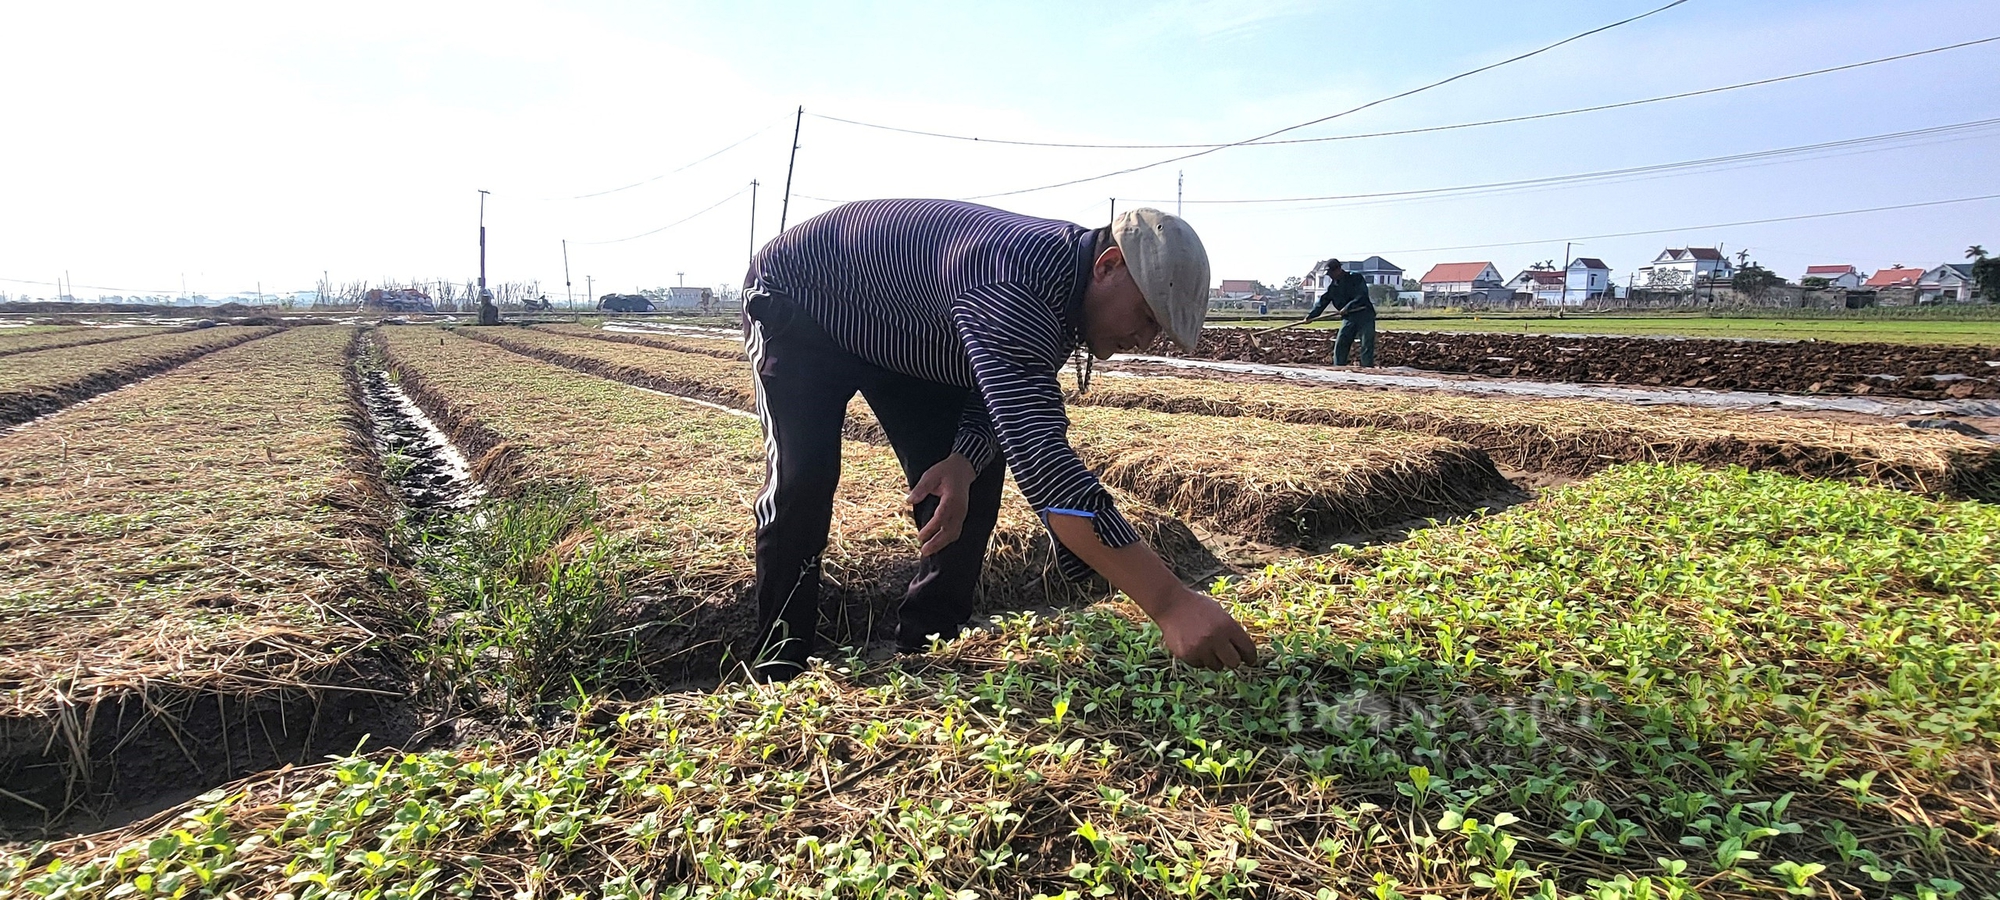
676 480
41 382
1268 481
718 346
188 577
16 340
1580 437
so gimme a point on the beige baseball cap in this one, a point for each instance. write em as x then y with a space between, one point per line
1170 266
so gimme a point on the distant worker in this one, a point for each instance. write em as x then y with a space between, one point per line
954 320
1347 293
488 313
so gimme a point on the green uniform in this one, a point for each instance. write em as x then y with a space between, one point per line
1348 295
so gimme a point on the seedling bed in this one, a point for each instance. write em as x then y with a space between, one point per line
43 381
190 566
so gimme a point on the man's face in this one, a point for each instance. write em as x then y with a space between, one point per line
1116 318
1335 272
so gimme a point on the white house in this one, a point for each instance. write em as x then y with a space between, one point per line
1948 283
1683 266
685 298
1589 279
1446 282
1836 276
1542 286
1374 270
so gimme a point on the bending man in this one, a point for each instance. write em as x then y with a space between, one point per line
953 320
1347 293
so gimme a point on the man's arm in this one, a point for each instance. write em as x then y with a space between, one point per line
1195 628
1016 347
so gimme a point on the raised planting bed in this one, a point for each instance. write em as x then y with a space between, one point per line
1578 437
43 381
673 483
27 340
1832 367
188 564
1592 695
717 347
1279 482
1267 481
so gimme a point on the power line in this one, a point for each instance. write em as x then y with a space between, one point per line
739 192
1860 144
94 287
1594 237
674 172
1458 125
1370 104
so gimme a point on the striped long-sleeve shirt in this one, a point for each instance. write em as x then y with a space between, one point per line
966 295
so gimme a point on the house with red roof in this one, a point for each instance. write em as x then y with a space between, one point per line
1838 276
1894 277
1236 289
1474 281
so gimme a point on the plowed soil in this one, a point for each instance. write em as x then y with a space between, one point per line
1806 367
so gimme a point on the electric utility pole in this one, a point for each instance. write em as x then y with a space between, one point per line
785 211
482 246
568 290
753 218
1565 299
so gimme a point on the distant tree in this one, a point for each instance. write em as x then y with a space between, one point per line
1986 277
1754 281
1815 283
1975 252
1412 284
1547 265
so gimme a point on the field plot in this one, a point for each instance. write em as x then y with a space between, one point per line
179 558
1578 437
1876 369
716 347
673 483
1268 481
43 381
27 340
1659 683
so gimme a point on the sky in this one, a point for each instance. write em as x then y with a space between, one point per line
223 148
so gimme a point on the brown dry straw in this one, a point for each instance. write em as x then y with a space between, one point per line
1271 482
1579 437
41 382
188 564
14 341
675 480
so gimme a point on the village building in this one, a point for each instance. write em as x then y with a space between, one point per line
1894 277
1466 282
1836 276
1948 283
1685 266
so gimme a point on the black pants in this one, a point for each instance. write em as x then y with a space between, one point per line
804 383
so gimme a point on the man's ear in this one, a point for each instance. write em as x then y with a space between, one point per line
1110 259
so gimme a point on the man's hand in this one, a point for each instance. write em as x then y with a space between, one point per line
951 482
1199 632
